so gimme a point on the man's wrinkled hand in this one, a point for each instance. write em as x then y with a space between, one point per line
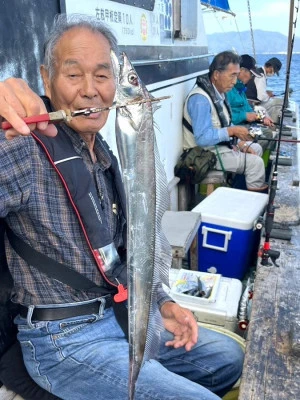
251 116
181 322
240 132
268 121
17 101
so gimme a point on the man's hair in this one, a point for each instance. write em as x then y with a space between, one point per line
222 60
64 23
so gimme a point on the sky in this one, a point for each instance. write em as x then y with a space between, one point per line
267 15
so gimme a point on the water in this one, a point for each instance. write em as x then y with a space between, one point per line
277 83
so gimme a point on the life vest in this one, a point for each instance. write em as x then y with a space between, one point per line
83 197
82 193
251 92
220 115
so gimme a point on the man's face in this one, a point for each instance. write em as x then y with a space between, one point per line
225 80
83 77
270 71
245 75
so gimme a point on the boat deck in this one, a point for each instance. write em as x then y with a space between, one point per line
272 361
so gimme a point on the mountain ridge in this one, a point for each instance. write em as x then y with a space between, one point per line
242 42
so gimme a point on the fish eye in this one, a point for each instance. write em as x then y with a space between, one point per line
132 79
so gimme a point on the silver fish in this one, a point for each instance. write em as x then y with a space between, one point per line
148 251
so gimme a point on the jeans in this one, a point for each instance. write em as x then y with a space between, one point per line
86 358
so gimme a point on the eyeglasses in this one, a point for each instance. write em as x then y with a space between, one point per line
232 76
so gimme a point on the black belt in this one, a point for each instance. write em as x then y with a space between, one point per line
57 313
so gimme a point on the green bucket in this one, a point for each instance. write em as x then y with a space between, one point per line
266 157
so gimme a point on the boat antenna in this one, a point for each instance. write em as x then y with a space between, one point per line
266 252
251 28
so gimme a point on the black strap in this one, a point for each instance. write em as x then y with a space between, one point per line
50 267
187 125
64 274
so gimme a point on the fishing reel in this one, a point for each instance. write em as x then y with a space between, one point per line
260 112
255 131
266 254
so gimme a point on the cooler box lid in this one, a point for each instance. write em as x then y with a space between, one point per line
232 208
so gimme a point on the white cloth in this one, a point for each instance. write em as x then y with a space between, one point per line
271 104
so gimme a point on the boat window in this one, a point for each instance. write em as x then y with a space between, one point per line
145 4
185 19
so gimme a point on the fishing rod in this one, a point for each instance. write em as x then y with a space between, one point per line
277 140
266 252
284 126
291 90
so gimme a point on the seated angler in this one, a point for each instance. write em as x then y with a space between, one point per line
258 92
73 339
242 111
207 123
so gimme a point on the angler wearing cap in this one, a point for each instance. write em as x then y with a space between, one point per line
257 89
242 111
207 122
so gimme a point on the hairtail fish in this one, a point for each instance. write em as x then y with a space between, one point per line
148 251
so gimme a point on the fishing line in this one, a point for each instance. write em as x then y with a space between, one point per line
282 140
246 147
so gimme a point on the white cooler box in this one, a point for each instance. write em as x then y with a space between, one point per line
220 309
227 238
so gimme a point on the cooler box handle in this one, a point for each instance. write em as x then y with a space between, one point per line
206 230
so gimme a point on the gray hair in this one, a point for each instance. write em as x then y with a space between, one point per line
64 23
222 60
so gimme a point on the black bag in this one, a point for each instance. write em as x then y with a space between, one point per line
194 164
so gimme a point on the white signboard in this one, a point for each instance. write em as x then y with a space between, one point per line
131 25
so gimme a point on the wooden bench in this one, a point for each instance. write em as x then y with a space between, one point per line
187 192
213 178
181 228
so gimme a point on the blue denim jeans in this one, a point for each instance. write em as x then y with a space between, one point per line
86 358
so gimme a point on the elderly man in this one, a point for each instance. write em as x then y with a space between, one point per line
207 123
72 343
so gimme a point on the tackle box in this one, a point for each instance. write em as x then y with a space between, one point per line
222 311
187 281
227 236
